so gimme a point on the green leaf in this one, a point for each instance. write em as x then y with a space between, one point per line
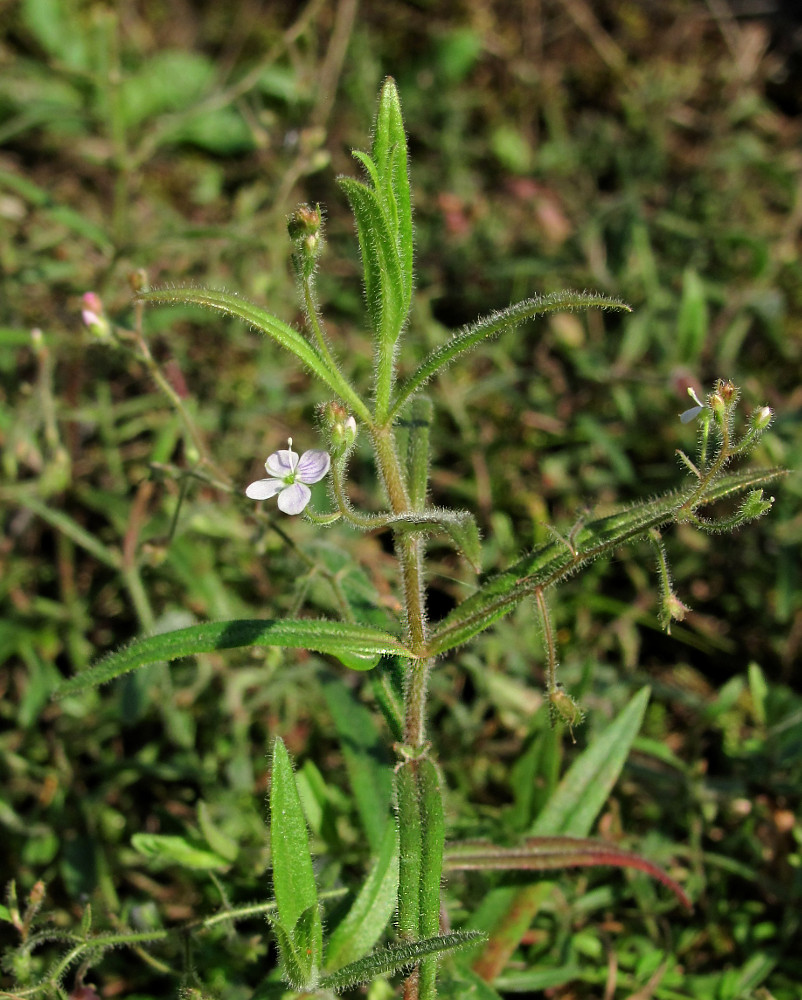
293 876
692 322
366 760
580 796
390 156
56 27
321 636
167 849
396 958
558 558
219 842
491 326
364 923
296 965
380 263
171 80
464 984
431 870
270 325
570 811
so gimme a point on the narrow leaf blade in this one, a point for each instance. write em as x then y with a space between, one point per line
373 907
293 876
580 796
396 958
271 326
320 636
492 326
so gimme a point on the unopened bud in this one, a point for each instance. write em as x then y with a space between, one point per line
563 707
727 390
94 316
341 428
138 280
304 222
37 894
754 506
304 227
761 418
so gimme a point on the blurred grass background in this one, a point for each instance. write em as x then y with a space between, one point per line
649 151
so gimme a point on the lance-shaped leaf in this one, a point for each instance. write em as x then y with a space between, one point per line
491 326
359 643
298 926
554 560
384 291
540 854
389 154
271 326
396 958
374 905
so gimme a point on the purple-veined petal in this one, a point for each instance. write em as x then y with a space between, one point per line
281 464
313 466
293 499
263 489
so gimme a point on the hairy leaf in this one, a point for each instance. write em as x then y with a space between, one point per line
270 325
396 958
493 325
319 635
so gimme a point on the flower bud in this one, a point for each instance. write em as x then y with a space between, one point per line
761 418
304 227
562 707
341 428
94 316
304 222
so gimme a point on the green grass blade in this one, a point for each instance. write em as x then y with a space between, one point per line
318 635
580 796
494 325
571 811
271 326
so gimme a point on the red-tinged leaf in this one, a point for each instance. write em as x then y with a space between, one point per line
549 853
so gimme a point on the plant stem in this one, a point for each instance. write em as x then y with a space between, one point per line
410 554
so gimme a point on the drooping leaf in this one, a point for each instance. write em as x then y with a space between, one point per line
320 636
270 325
459 525
554 853
492 326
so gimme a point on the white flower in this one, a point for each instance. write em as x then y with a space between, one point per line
694 411
290 477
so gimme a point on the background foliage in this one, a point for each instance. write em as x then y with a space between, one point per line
646 151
